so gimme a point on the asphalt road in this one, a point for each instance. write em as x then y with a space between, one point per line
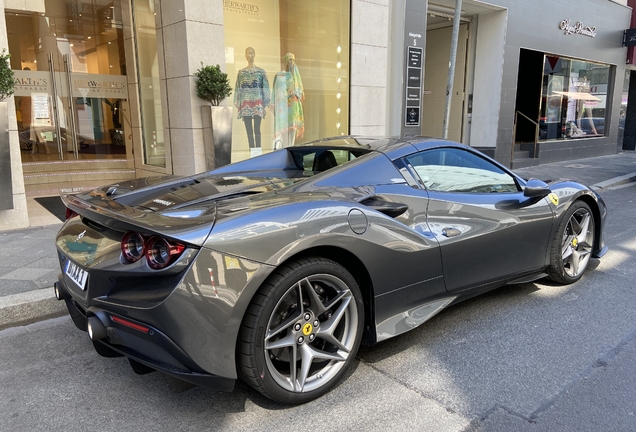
531 357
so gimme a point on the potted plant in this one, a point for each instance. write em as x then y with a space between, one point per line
6 90
213 86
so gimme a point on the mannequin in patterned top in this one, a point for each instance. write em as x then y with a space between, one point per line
289 94
251 97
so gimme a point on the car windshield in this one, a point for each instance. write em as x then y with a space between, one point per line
319 159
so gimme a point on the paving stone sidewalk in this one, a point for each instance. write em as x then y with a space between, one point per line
29 265
599 172
28 259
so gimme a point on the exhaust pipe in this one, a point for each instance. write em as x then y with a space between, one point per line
60 292
96 330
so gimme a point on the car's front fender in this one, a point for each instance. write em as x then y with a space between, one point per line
567 193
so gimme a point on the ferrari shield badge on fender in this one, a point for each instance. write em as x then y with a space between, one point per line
554 198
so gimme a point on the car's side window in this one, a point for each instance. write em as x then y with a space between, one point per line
457 170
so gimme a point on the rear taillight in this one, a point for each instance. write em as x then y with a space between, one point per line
130 324
159 252
70 213
132 247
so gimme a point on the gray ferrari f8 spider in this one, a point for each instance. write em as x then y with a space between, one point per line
274 270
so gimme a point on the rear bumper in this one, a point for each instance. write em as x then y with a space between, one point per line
151 348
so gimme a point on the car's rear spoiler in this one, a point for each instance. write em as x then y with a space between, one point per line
191 225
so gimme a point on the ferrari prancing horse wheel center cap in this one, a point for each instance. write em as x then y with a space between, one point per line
575 242
307 329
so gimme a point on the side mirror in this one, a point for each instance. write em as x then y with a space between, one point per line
536 189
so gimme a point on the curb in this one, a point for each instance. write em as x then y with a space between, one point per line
29 307
616 181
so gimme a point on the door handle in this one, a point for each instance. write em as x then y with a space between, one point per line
389 208
451 232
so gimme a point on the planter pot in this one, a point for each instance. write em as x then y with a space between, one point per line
217 135
6 183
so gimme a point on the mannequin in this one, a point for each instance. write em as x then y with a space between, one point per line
288 109
584 87
251 97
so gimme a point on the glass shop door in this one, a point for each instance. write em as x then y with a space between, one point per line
71 92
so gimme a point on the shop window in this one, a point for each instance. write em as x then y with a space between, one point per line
574 99
288 64
149 83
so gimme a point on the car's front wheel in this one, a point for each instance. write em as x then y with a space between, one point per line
572 247
302 331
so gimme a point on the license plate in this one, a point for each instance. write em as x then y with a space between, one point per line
76 274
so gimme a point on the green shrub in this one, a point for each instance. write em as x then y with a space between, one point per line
6 76
212 84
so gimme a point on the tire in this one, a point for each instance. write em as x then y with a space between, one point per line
275 322
572 246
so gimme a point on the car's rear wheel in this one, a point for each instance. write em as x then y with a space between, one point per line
572 247
302 331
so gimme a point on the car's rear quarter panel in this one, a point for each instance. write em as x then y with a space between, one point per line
400 261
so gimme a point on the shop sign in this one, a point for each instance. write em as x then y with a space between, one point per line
27 82
240 7
578 28
414 57
629 37
100 86
84 85
412 116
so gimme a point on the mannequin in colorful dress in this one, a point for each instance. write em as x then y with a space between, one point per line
251 97
288 109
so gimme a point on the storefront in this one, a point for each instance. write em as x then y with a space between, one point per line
105 89
580 110
574 100
288 65
535 82
287 62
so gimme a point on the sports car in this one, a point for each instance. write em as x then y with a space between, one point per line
275 269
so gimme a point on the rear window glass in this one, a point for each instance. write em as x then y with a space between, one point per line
322 159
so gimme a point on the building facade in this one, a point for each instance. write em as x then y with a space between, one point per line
536 81
106 89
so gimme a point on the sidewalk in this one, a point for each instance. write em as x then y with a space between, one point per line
28 268
598 172
29 265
